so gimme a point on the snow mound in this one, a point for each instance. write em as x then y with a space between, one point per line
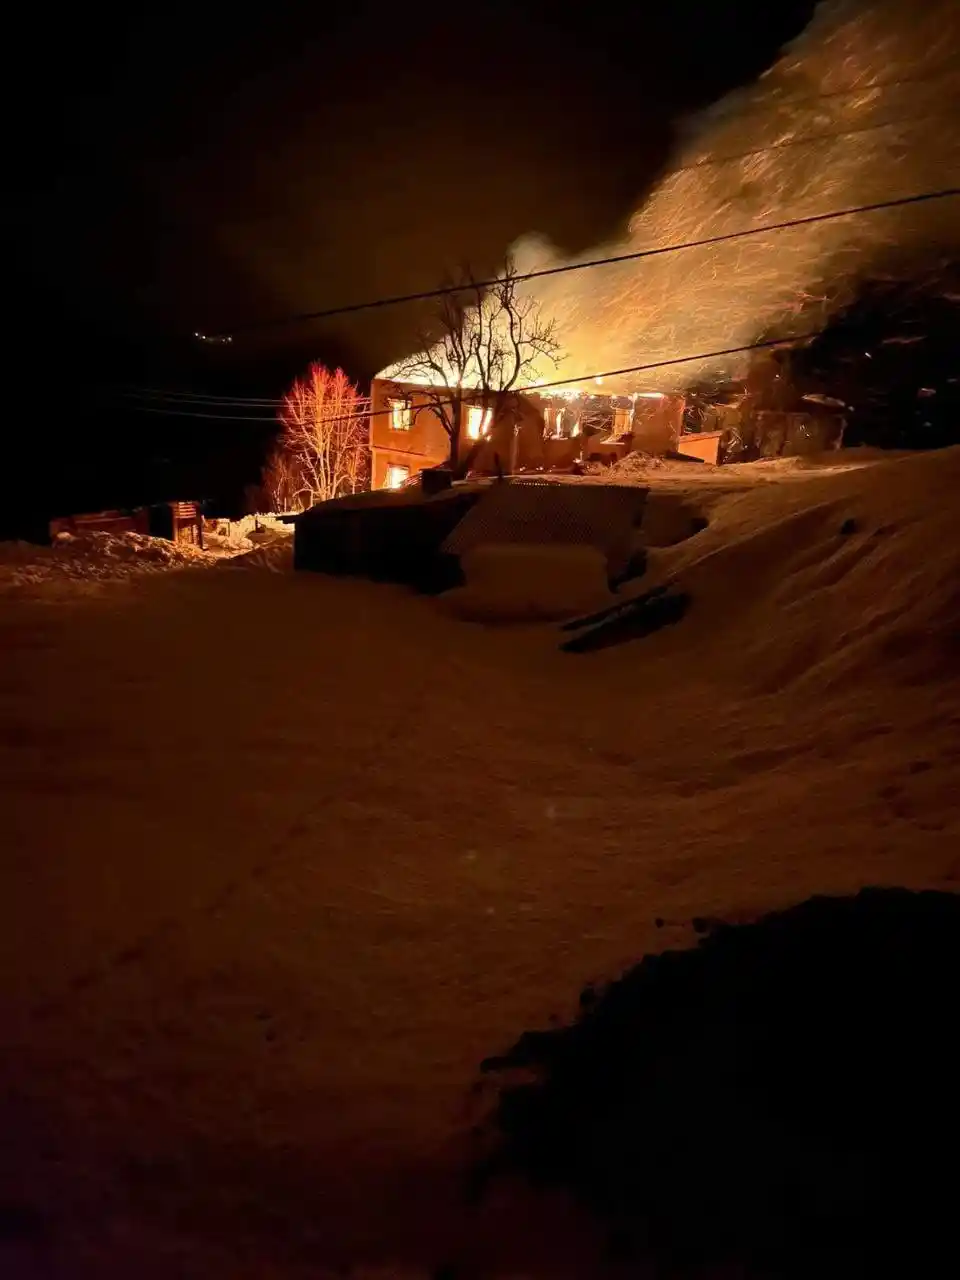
275 555
89 559
529 583
847 576
626 468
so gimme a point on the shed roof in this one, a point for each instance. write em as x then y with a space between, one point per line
600 516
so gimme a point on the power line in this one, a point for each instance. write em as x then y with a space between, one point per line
761 345
198 395
189 413
213 402
200 398
943 71
541 386
764 344
636 255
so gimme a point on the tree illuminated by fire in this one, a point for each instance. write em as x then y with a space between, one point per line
482 348
323 448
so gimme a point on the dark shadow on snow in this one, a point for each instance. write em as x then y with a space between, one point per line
630 620
783 1098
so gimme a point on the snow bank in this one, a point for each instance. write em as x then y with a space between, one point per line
529 583
275 554
845 575
248 529
91 559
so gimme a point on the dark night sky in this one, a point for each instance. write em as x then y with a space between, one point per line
193 166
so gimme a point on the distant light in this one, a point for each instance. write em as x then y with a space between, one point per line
651 395
598 380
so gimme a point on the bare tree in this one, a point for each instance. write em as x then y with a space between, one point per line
323 450
280 481
482 348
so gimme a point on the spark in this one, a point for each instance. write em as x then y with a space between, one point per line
732 294
807 142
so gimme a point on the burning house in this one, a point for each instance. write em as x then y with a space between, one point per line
780 200
546 430
771 412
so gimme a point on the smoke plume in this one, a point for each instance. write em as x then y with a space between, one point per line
860 109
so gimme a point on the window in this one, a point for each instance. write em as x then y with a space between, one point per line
478 421
622 420
401 415
396 476
561 423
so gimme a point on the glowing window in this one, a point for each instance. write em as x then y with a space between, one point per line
478 421
401 415
396 476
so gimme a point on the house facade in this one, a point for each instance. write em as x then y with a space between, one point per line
407 434
540 431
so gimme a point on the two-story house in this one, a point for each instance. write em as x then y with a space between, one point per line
539 430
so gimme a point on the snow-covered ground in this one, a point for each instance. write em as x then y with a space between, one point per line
286 856
76 564
86 564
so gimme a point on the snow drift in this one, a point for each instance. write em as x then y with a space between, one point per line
826 578
75 561
515 582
